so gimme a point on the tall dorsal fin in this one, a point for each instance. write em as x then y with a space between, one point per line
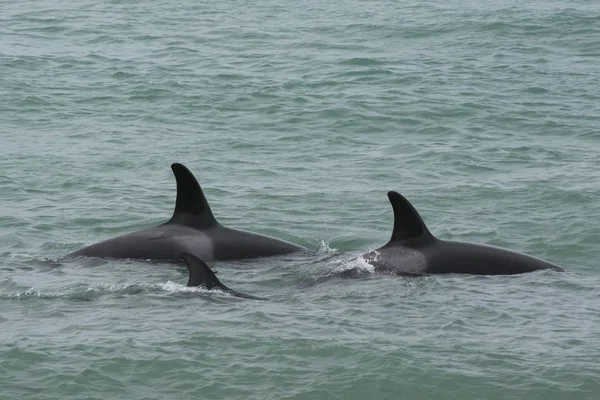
191 207
408 224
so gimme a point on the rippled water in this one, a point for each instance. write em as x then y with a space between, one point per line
297 118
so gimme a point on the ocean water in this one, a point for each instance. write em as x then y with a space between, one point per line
297 118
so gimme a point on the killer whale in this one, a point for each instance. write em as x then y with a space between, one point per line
192 229
413 250
201 275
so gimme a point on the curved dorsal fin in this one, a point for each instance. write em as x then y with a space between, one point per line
191 207
408 224
200 274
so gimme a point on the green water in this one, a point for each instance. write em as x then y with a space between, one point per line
297 118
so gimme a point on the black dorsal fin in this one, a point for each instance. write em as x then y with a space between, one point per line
408 224
191 207
201 274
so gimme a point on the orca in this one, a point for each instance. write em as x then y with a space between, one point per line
413 250
201 275
192 229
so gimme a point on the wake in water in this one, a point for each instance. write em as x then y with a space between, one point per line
95 291
302 271
78 281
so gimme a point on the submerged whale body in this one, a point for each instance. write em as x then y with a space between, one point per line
192 229
413 250
200 275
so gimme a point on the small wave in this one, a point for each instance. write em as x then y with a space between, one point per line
143 93
104 99
361 61
84 292
28 294
178 287
174 287
21 256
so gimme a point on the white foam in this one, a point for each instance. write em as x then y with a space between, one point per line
28 294
358 263
179 288
324 248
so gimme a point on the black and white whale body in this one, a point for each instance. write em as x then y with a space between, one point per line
413 250
192 229
201 275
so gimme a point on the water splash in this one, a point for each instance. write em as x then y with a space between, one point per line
325 248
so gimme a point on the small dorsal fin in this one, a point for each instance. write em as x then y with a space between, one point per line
191 207
200 274
408 224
